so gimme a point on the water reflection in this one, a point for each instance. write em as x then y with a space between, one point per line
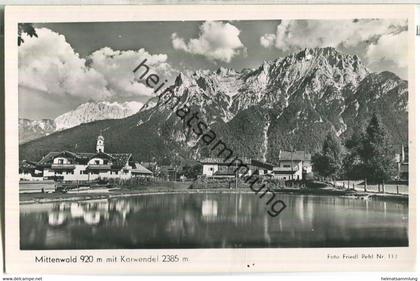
213 220
88 212
209 210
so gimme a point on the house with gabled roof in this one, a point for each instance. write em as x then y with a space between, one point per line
220 168
29 171
293 165
82 166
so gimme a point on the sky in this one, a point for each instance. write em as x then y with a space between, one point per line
72 63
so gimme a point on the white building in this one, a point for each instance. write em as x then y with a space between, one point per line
76 166
293 165
219 168
402 163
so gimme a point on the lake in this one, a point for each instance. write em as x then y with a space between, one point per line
213 220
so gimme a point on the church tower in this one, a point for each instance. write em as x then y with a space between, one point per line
100 144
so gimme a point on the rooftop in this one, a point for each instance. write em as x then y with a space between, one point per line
139 169
244 160
294 155
119 159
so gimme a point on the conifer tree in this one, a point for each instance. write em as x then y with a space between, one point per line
376 153
328 162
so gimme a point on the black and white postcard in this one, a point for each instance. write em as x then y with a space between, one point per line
209 138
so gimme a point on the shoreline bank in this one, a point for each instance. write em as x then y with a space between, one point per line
40 198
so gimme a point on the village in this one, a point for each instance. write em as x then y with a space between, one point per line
91 168
97 172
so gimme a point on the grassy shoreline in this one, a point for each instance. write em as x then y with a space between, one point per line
33 198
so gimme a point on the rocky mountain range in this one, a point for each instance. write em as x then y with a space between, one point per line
289 103
33 129
84 113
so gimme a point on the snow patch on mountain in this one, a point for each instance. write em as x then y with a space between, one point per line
85 113
92 111
32 129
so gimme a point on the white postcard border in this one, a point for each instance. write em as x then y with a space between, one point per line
200 260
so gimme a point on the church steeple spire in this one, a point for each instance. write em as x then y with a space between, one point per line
100 143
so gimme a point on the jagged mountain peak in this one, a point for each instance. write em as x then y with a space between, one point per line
92 111
226 71
310 72
178 79
323 58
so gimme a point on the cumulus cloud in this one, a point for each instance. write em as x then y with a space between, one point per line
116 67
390 47
267 40
375 35
50 65
216 41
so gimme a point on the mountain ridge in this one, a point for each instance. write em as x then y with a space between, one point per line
288 103
84 113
